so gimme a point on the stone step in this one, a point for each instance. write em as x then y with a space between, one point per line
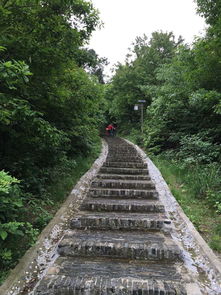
127 184
117 158
125 165
123 177
123 193
121 245
120 221
117 170
121 149
77 276
128 155
110 205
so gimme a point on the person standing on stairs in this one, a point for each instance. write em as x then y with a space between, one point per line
110 129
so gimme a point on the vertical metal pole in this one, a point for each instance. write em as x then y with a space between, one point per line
142 118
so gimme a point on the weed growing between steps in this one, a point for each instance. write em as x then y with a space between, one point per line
30 213
197 189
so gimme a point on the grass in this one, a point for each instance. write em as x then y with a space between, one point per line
63 179
197 191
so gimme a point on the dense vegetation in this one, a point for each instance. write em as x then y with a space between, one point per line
182 120
50 110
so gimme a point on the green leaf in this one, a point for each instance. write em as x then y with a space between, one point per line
3 234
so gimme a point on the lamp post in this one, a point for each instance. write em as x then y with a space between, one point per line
141 102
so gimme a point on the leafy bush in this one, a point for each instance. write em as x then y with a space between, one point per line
195 149
136 136
12 228
10 200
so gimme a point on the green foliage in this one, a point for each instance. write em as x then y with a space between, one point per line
179 108
215 243
10 199
127 86
195 187
14 72
51 108
12 228
211 10
134 135
203 180
193 149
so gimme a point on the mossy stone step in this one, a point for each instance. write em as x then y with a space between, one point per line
125 157
122 170
135 246
125 165
120 221
127 184
123 193
123 177
129 205
85 277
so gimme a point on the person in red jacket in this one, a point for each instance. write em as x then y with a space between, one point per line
110 130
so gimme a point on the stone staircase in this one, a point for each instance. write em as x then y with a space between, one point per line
120 241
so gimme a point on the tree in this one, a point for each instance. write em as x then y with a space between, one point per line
211 10
50 108
46 111
130 80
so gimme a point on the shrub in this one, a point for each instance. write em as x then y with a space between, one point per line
196 149
12 228
136 136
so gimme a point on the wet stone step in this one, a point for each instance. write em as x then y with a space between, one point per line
122 149
121 221
109 205
124 157
117 170
79 276
125 165
123 193
153 247
123 184
117 269
123 177
123 152
129 154
119 244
